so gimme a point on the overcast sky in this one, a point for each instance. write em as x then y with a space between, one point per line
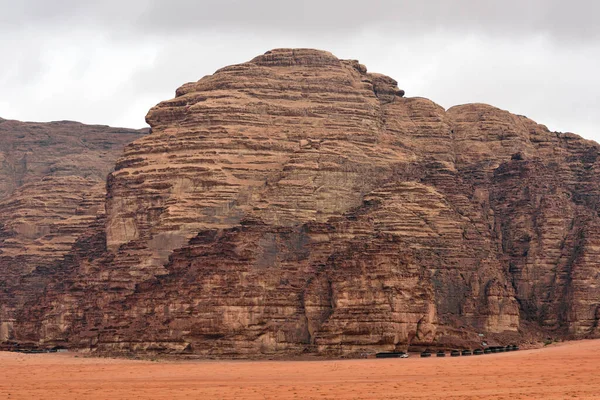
108 62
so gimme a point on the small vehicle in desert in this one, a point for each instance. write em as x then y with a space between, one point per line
393 354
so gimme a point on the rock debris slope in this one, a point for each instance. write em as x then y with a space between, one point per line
297 203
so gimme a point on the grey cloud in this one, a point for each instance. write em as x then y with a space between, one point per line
576 19
110 61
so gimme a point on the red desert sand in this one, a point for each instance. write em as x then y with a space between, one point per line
562 371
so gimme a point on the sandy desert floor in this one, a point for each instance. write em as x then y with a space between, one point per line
562 371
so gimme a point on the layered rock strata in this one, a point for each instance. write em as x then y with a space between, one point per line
297 203
52 187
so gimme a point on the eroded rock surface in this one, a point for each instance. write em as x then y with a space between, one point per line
297 203
52 187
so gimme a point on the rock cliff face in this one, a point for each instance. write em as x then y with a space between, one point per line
52 186
297 203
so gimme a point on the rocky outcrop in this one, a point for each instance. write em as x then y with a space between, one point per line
52 186
297 203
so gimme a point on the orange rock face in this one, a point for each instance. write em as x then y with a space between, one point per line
297 203
52 186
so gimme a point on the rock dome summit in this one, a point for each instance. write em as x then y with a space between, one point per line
298 203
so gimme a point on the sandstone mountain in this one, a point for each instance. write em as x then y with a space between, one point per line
52 187
297 203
